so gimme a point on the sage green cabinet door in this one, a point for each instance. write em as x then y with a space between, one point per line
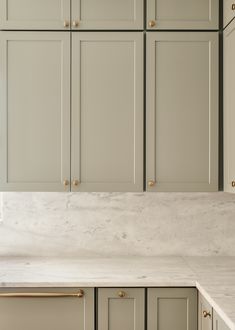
229 108
182 111
121 309
183 14
107 111
218 323
172 308
108 14
34 14
34 111
47 313
204 314
229 11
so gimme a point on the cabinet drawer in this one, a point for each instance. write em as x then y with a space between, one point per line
229 11
121 309
34 14
183 14
47 309
172 308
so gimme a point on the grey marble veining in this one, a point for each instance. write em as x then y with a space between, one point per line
119 224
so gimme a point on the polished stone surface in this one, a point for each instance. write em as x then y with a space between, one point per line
213 276
118 224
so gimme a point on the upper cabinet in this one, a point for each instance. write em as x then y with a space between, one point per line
107 14
107 111
35 14
229 108
34 111
229 11
86 14
182 111
182 14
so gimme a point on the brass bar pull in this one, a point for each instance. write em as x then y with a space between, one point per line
233 6
206 314
78 294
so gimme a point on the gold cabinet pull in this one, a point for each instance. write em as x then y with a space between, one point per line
75 182
233 184
233 6
206 314
152 24
121 294
75 24
78 294
151 183
66 182
66 24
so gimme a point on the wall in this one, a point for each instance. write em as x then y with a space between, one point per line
146 224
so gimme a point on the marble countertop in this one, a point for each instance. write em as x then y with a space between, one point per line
213 276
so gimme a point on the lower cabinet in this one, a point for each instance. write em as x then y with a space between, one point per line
208 319
47 309
172 308
204 314
121 309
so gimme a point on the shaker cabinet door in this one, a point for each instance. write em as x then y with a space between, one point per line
229 108
41 312
204 314
108 14
34 111
107 111
182 111
121 309
172 308
34 14
183 14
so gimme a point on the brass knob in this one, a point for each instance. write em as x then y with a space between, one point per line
75 182
80 293
233 184
66 24
121 294
206 314
233 6
151 183
152 24
66 183
75 24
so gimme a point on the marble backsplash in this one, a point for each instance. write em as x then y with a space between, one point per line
102 224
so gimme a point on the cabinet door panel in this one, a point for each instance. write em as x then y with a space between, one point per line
108 14
182 111
70 313
107 111
34 14
172 308
183 14
35 111
115 313
229 108
204 322
218 323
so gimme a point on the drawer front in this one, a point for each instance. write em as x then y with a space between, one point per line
34 14
108 14
204 314
183 14
172 308
229 11
121 309
33 310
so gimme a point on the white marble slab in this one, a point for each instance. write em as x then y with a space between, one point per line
213 276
